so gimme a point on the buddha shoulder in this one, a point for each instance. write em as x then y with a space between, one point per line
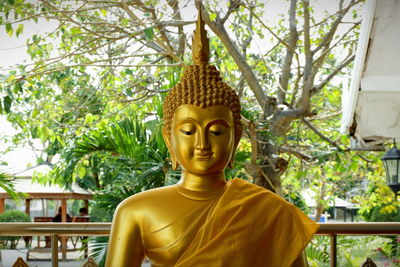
144 202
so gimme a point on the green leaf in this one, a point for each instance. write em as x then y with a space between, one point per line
103 12
19 30
10 78
125 22
9 29
129 92
149 33
11 2
128 71
17 88
213 16
88 118
9 92
76 30
81 172
7 104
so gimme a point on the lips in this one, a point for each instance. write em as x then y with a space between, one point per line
203 156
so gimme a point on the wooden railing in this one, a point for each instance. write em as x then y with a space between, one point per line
335 229
103 229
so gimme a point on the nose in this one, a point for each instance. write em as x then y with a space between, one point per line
202 141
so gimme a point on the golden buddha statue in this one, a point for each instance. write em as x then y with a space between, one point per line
205 221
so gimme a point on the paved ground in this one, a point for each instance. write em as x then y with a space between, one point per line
42 259
62 264
75 259
65 264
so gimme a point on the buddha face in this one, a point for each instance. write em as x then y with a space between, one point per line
202 139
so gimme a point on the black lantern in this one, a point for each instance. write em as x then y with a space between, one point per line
391 160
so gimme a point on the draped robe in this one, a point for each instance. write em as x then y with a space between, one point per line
245 225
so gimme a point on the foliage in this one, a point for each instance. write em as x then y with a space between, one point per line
104 56
114 150
317 252
380 214
106 66
241 157
11 242
295 197
98 249
6 184
108 199
378 202
116 160
392 250
352 250
331 174
14 216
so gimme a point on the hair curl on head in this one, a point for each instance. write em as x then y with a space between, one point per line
202 86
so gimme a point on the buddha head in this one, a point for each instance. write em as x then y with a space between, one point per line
201 115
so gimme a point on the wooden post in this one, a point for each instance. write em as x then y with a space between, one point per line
1 205
85 239
333 247
28 206
86 205
28 239
64 219
63 210
54 250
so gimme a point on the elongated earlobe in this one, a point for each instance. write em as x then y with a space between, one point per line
174 163
167 141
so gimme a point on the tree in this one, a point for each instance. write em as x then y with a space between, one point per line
105 55
297 82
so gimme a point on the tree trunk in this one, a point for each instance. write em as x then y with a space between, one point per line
319 201
268 172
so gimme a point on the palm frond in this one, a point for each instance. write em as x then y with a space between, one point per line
7 185
98 249
128 138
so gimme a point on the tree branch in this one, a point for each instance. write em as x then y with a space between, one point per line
233 5
218 28
297 153
304 101
321 85
293 37
319 61
272 32
69 18
158 41
174 4
247 41
161 29
332 29
312 127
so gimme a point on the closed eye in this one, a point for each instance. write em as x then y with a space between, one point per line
187 132
216 133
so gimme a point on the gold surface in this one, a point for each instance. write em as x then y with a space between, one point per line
200 44
167 219
203 220
202 142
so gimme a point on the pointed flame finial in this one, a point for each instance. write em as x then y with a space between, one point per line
200 45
